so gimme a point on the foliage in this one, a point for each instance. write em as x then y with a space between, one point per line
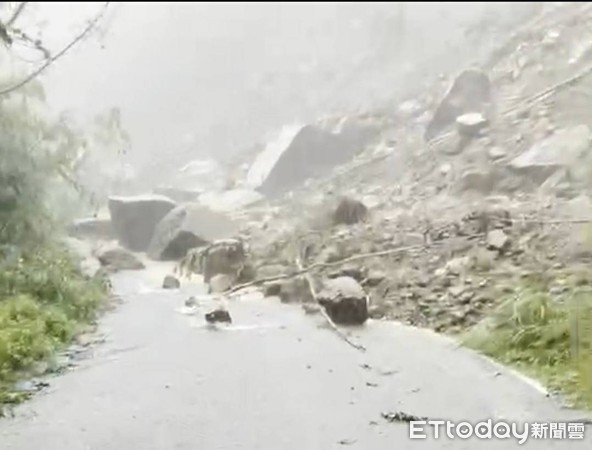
546 335
44 299
34 153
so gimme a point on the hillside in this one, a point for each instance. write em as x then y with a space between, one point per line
491 217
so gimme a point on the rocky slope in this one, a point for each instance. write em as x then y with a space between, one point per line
477 208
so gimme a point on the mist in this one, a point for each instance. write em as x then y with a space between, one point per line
213 79
201 202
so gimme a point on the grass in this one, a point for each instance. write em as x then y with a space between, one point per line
548 337
44 302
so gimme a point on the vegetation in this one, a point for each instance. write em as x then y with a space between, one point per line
545 335
44 299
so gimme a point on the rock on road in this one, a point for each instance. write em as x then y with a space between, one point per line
275 379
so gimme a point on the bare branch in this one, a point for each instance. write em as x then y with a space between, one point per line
328 319
33 43
58 55
17 13
340 262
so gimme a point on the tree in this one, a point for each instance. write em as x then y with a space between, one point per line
38 152
9 33
44 297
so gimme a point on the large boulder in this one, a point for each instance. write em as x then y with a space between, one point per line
566 149
224 257
469 93
345 301
115 259
171 282
312 152
349 211
135 218
480 181
186 227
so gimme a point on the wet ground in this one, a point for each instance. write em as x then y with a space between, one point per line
275 379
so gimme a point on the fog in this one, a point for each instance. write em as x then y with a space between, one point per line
195 79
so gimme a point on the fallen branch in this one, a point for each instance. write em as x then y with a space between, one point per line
315 266
554 222
334 327
526 220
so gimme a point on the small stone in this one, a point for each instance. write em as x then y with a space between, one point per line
440 273
558 290
471 124
483 259
497 240
456 291
483 299
466 297
458 266
191 302
550 38
377 311
497 153
311 308
422 283
445 169
375 277
171 282
219 315
457 317
84 340
408 295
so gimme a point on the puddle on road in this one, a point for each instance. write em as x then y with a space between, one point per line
205 302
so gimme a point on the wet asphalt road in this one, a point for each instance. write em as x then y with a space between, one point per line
275 379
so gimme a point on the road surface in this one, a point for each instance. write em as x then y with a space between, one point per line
275 379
